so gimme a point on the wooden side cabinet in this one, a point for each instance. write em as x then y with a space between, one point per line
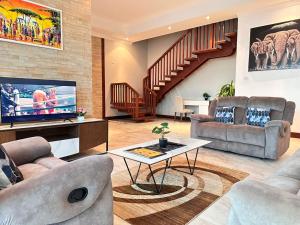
66 138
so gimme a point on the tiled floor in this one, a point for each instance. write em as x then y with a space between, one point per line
123 133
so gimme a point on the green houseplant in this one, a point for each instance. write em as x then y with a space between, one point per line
227 90
162 130
206 96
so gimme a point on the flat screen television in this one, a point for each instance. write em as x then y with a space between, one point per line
33 99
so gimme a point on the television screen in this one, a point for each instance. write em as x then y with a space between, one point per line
32 99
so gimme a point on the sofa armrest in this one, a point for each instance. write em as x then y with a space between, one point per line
27 150
44 199
278 134
257 203
283 126
202 118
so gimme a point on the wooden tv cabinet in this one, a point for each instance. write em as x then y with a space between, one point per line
88 134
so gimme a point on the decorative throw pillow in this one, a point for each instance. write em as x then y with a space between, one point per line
9 173
258 116
225 114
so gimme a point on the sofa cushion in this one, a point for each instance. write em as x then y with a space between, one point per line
240 103
284 183
50 162
213 130
32 170
258 116
246 134
225 114
9 171
276 105
291 168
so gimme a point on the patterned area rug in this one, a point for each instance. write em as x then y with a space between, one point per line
183 196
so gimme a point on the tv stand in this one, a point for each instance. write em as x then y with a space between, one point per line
68 119
64 137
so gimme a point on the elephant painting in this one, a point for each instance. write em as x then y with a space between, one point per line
275 48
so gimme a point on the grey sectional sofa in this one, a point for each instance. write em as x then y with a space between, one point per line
274 201
268 142
42 197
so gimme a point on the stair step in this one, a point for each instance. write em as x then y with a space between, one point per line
165 81
198 52
190 59
230 35
159 85
170 75
155 88
176 70
183 65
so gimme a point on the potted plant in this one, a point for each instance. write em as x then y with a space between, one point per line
227 90
80 114
162 130
206 96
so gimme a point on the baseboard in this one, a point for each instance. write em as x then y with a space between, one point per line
118 117
172 117
295 135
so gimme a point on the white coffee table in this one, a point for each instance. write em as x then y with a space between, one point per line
189 145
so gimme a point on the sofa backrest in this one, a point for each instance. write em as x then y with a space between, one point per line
280 108
240 104
276 105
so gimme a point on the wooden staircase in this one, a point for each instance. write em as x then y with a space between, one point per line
188 53
126 99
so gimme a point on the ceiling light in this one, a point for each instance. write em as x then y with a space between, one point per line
127 39
207 17
169 28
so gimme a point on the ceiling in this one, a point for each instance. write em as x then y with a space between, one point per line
137 20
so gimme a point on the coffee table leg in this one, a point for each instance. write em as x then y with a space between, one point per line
137 174
158 188
191 169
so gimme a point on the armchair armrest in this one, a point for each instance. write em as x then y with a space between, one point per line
44 199
283 126
260 204
27 150
202 118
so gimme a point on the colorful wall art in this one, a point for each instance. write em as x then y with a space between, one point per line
26 22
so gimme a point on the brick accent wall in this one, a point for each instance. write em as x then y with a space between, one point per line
73 63
97 76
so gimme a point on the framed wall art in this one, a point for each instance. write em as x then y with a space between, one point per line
275 46
26 22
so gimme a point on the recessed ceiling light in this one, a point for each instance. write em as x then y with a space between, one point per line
207 17
169 28
127 39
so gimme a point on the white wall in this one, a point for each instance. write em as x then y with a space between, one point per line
124 62
281 83
208 78
159 45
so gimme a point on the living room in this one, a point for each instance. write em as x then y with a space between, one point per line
149 112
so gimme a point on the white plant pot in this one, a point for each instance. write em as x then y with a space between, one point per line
80 118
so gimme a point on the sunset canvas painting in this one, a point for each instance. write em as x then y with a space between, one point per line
26 22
